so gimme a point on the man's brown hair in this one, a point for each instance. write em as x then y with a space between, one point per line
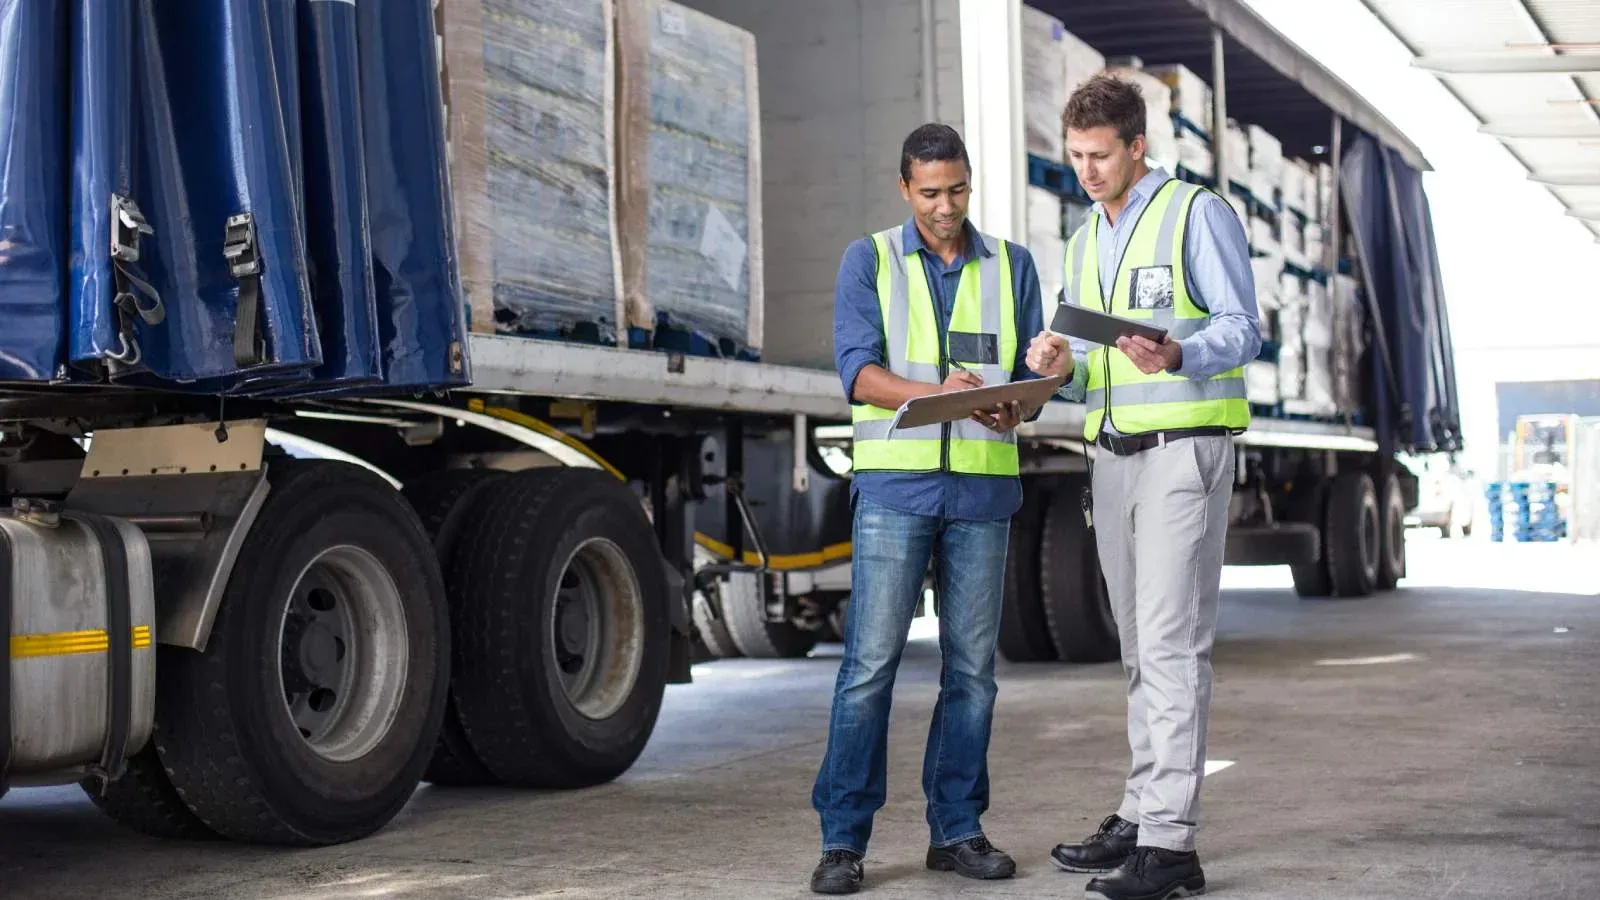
1106 100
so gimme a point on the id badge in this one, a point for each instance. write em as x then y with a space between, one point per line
1151 288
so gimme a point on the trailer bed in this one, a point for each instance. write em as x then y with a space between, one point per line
589 372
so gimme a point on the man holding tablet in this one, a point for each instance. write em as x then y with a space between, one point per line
1162 414
928 306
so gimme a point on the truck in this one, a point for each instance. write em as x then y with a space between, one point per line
308 503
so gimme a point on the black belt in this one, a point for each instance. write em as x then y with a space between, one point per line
1129 444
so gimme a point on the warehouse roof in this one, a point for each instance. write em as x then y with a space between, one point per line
1529 70
1271 81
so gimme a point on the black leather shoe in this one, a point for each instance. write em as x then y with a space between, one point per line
1151 873
1100 852
839 872
974 858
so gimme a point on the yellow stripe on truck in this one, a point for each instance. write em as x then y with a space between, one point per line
785 561
781 561
70 643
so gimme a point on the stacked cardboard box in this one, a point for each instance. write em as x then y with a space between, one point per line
1261 382
1194 154
1325 187
1082 61
1266 165
528 90
1292 346
1238 151
1319 340
1160 137
1349 343
690 174
1191 96
1294 240
1300 187
1044 83
1316 245
1045 243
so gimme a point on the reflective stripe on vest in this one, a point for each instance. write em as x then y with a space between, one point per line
981 337
1151 285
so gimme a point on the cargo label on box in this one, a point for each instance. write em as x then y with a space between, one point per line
672 22
721 243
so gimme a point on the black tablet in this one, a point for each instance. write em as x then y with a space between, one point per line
1101 328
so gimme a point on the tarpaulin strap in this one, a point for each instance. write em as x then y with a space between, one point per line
244 263
135 296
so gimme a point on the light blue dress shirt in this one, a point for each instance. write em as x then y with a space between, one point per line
1217 258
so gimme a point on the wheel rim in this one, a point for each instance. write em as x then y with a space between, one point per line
596 628
343 653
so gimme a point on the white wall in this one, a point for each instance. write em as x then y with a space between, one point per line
841 86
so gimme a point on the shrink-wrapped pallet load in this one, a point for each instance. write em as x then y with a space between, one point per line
1044 83
689 178
529 93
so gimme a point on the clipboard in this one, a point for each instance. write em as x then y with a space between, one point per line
1072 320
951 406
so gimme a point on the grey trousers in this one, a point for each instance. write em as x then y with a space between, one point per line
1160 520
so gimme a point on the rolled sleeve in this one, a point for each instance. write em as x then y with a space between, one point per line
858 339
1218 262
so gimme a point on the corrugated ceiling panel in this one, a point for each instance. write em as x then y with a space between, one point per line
1507 96
1560 156
1569 21
1438 26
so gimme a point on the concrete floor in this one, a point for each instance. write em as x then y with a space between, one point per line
1442 741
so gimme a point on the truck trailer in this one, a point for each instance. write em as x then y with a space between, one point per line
389 399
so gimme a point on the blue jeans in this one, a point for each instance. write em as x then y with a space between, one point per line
891 554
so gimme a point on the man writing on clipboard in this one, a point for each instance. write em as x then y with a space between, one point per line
1162 416
929 306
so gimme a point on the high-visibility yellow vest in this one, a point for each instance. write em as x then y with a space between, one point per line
982 337
1153 286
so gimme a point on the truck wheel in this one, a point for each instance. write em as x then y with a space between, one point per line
442 499
1024 632
312 712
1077 605
562 628
144 800
1313 580
1392 541
747 623
837 617
1354 535
712 624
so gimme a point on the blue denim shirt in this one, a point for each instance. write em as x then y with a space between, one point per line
1217 258
858 341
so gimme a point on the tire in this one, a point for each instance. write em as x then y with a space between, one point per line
1024 631
1313 580
144 800
742 607
1077 605
836 620
1392 537
443 500
558 578
1354 542
238 726
712 625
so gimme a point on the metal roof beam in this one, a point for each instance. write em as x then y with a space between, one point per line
1245 26
1566 179
1510 64
1536 129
